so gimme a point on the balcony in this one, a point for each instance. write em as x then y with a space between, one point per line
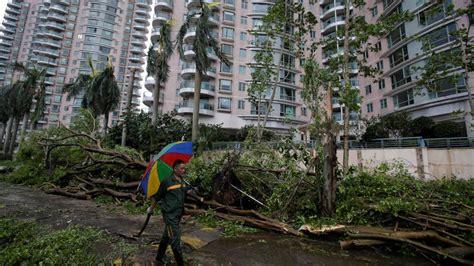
5 50
155 34
187 88
142 11
189 53
44 60
58 8
188 70
150 84
10 17
47 51
332 8
137 66
8 23
4 57
14 4
11 30
161 17
136 58
137 50
64 2
8 36
139 34
50 33
54 25
140 26
190 4
48 42
163 5
142 19
331 27
186 107
144 3
138 42
57 17
6 43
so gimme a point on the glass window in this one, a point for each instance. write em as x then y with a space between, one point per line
370 108
441 36
404 99
243 20
401 77
242 69
57 99
225 85
374 11
243 36
244 4
227 49
287 110
224 103
228 33
241 104
381 84
380 65
368 89
396 36
447 86
383 103
229 16
242 86
243 53
399 56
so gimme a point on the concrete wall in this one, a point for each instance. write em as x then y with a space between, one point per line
422 162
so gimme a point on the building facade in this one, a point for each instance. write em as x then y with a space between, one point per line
61 35
224 98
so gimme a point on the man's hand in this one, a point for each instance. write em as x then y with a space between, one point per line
149 210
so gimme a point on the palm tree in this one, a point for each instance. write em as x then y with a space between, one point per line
157 64
35 87
4 114
100 91
202 41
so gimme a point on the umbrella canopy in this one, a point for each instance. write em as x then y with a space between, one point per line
162 166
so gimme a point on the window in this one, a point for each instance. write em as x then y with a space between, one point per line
441 36
399 56
229 16
403 99
381 84
303 111
243 20
241 104
380 65
378 46
370 108
287 94
287 110
224 103
396 36
242 69
260 8
244 4
57 99
228 33
225 85
434 14
448 86
227 49
400 77
229 2
374 11
243 53
383 103
243 36
242 86
368 89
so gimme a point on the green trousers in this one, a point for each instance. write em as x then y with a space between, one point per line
171 235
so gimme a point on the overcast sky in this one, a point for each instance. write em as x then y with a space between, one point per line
3 5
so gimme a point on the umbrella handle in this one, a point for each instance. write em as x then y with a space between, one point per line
144 225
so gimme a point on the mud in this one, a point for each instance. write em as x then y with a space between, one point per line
204 246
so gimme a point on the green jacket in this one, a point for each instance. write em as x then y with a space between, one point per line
172 194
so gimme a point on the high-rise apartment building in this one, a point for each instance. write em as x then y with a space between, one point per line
223 95
402 55
224 98
61 35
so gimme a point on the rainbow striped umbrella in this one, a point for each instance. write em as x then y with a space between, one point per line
162 165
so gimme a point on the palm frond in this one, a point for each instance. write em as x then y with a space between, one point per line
80 85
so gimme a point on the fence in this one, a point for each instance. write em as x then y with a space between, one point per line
374 144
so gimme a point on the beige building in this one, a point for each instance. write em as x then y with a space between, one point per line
61 34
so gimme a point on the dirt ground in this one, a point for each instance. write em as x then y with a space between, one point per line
203 246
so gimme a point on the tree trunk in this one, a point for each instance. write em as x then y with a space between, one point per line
128 107
24 125
347 87
328 195
2 132
8 135
16 123
259 117
106 122
465 61
197 98
156 100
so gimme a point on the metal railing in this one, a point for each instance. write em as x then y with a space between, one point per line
462 142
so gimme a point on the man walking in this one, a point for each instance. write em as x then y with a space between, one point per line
172 193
